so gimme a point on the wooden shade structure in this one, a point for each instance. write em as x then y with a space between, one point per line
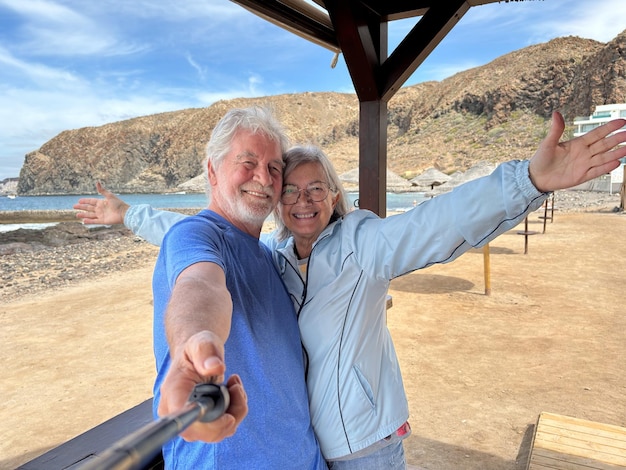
359 30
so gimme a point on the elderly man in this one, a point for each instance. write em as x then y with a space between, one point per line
219 304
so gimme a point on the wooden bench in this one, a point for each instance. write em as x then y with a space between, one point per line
95 441
565 443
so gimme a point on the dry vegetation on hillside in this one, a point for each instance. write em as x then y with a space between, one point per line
491 113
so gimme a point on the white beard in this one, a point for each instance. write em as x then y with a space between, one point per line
249 212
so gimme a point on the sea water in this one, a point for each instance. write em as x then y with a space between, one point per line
396 202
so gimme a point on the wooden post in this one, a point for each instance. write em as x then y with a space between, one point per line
622 191
526 232
487 269
549 202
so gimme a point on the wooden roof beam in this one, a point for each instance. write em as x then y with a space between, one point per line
419 43
391 10
362 37
297 17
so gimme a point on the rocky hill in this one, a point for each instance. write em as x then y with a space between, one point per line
491 113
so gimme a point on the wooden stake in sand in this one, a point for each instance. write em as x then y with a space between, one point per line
622 198
487 269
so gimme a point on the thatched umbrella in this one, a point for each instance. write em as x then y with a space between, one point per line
350 180
479 170
395 183
458 178
430 178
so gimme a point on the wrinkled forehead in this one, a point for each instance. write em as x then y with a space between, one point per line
305 172
256 144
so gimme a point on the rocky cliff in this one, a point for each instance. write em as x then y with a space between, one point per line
491 113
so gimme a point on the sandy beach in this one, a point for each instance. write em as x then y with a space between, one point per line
76 323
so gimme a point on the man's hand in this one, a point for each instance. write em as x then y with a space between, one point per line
201 360
108 211
559 165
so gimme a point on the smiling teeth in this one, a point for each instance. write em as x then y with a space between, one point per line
304 216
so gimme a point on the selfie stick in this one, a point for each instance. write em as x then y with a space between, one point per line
207 403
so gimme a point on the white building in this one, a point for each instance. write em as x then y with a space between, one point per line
603 114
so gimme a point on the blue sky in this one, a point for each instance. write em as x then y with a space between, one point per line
68 64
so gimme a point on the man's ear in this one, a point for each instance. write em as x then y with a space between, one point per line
211 174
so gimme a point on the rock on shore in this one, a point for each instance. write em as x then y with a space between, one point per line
32 261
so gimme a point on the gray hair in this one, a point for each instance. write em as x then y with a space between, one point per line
296 156
255 119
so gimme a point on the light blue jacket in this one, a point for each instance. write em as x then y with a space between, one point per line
356 394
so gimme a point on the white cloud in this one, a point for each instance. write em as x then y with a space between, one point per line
541 21
602 20
201 70
247 88
49 28
33 71
42 10
171 10
29 118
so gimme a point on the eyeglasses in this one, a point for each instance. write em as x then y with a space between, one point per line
315 191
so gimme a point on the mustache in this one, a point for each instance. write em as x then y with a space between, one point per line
257 188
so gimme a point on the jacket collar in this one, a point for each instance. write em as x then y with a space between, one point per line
286 247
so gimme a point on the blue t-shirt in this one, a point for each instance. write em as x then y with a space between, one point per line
263 348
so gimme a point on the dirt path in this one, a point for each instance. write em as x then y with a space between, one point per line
478 370
71 360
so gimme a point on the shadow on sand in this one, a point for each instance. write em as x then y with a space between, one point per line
438 455
431 283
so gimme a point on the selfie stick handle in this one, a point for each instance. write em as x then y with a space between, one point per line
207 402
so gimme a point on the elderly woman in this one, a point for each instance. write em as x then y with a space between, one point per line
337 266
